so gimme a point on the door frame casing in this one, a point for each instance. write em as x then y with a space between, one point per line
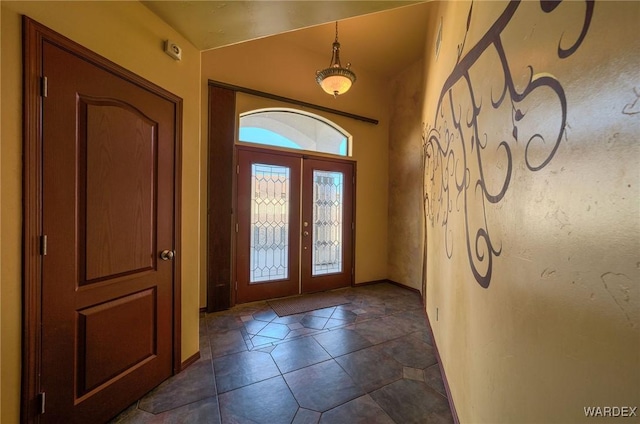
34 35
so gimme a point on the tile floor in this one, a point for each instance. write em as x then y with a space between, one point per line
368 361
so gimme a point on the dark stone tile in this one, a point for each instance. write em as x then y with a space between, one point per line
276 331
306 416
341 341
433 378
360 410
406 322
133 415
403 337
410 401
205 411
371 368
205 347
218 323
322 386
370 312
377 331
411 352
310 321
324 313
298 353
334 323
267 316
397 305
425 336
300 332
191 385
254 327
267 349
227 343
419 315
413 373
289 319
344 315
242 369
259 341
268 402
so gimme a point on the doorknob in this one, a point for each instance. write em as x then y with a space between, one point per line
167 255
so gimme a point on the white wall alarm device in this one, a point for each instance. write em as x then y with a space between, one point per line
173 50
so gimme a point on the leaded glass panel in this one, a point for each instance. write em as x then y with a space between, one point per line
328 198
269 253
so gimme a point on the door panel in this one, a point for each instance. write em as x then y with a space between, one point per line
120 196
268 225
108 208
327 213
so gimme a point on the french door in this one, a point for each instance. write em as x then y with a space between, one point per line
295 224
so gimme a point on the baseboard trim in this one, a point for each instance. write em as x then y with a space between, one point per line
368 283
190 361
386 280
452 405
413 289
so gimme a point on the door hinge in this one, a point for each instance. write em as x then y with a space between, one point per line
236 227
44 86
43 245
237 169
40 402
236 286
353 226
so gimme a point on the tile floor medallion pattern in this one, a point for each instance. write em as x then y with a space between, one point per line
368 361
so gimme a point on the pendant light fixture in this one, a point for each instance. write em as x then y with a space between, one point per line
335 79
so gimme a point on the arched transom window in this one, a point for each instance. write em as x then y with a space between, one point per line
294 129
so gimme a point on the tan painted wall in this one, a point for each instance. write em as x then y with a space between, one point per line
406 226
130 35
289 71
557 327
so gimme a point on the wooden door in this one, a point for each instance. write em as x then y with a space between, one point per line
268 236
295 224
328 225
108 225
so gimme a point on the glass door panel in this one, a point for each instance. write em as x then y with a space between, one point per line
328 198
268 237
327 211
269 247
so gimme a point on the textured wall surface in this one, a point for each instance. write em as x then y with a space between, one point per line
406 226
530 140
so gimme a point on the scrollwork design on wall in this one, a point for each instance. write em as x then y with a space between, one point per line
456 178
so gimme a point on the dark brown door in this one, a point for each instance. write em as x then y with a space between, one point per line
268 225
108 213
327 227
295 224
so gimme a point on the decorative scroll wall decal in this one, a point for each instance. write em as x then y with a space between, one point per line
455 176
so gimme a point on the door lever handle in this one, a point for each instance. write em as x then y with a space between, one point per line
167 255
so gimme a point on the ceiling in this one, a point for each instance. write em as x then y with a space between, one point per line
381 36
